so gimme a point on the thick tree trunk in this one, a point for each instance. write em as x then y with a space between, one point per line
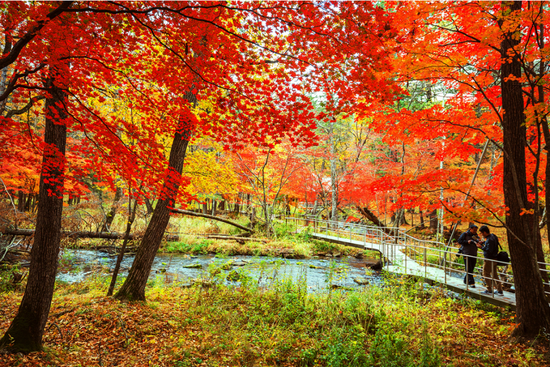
27 328
533 312
134 286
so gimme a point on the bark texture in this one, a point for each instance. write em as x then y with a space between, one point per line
533 312
27 328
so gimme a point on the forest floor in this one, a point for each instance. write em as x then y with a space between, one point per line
397 323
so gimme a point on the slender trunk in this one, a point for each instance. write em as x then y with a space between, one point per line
532 310
149 206
433 220
365 212
131 218
29 202
111 215
27 328
134 286
333 184
21 201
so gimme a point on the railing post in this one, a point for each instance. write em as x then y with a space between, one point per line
425 262
445 264
406 255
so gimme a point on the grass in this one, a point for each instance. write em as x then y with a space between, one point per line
285 243
396 324
289 247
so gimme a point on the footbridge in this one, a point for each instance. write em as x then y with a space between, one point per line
407 255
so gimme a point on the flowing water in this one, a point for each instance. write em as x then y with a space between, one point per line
318 274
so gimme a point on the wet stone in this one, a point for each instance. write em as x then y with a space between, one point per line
193 266
361 280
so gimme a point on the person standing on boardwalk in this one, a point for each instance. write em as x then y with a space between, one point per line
490 252
468 242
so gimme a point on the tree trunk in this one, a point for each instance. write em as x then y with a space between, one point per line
27 328
29 202
532 310
134 286
21 201
365 212
111 215
149 206
131 218
433 220
422 225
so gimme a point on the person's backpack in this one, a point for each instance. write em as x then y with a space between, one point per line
502 257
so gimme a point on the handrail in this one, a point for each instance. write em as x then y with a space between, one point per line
401 246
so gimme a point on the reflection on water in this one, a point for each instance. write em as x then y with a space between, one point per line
317 273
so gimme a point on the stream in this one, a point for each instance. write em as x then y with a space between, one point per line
318 274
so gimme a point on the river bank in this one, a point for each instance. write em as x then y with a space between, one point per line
292 246
396 322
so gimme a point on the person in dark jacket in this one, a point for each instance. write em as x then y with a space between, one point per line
468 242
490 252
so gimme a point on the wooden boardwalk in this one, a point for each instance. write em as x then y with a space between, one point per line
400 263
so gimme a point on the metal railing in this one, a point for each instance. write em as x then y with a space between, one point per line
400 249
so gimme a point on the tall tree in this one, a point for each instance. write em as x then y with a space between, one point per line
533 312
134 285
246 75
27 328
483 52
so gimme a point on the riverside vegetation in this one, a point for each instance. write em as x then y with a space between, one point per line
397 322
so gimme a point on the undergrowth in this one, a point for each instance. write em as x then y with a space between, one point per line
282 324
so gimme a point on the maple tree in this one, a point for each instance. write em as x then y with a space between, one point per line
163 96
484 53
235 56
